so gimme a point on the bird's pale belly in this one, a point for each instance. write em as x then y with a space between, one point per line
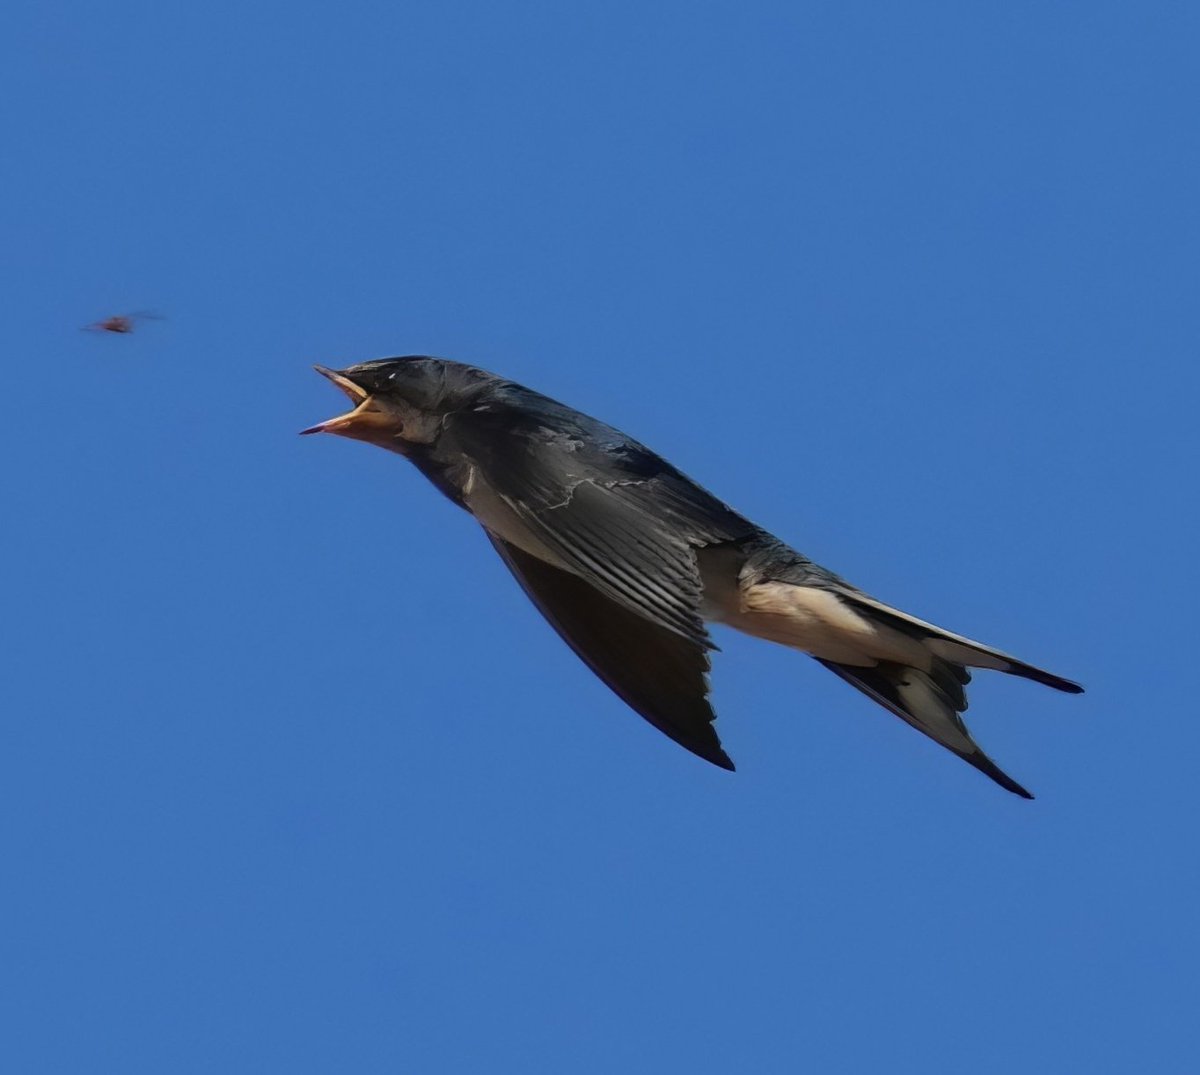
802 617
498 518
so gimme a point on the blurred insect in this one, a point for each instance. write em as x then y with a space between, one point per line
120 323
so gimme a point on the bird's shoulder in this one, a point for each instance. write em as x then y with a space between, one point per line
534 448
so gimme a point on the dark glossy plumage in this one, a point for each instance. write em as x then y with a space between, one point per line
626 557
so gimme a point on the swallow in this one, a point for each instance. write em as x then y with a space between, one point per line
629 560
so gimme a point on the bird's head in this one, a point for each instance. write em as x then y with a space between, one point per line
401 402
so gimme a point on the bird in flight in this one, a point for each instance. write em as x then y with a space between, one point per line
628 558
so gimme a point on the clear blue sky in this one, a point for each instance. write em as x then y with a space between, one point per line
293 779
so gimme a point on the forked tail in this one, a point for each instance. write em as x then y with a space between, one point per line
931 702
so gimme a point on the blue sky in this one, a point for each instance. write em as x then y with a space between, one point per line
293 779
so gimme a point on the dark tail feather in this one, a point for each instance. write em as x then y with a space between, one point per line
1049 679
958 649
931 703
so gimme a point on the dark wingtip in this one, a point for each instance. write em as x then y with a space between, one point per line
710 752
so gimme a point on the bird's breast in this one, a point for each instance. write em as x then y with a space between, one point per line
497 517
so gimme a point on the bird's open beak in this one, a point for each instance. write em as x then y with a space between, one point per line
364 414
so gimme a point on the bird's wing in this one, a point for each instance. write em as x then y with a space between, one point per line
608 509
625 553
662 675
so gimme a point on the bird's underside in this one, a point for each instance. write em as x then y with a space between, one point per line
628 559
913 669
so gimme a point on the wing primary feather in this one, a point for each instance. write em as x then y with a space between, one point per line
660 674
